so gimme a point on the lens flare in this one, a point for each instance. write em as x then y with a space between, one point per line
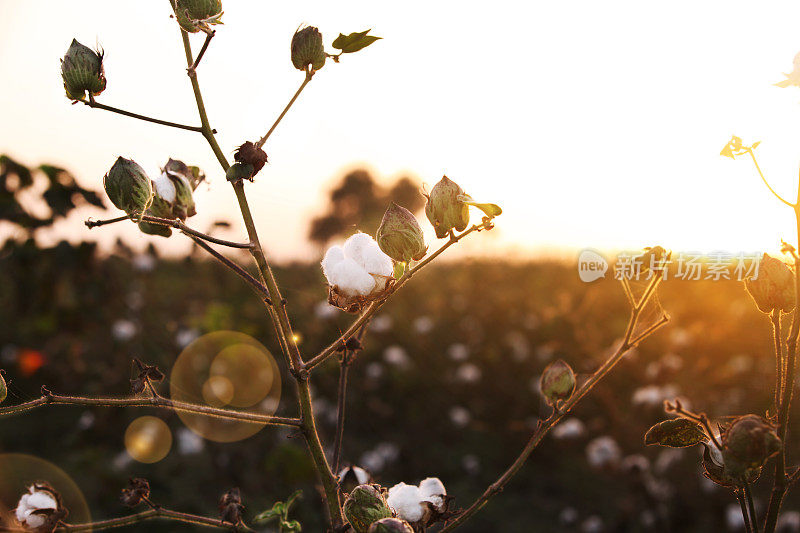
148 439
19 471
226 369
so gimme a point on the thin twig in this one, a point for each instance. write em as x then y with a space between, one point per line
309 75
97 105
748 496
373 307
202 52
780 361
758 168
341 401
177 224
241 272
745 514
157 402
545 426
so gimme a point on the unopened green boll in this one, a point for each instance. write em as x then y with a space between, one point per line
307 49
747 444
365 505
390 525
128 186
399 235
557 382
773 288
162 209
82 71
444 208
196 15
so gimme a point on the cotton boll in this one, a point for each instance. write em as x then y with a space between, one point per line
35 500
377 263
406 500
165 188
351 279
358 245
432 490
334 255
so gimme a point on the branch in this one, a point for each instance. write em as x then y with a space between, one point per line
158 402
97 105
259 287
545 426
151 514
309 75
758 168
372 308
177 224
347 359
200 55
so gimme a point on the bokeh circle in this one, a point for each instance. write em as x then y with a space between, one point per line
226 369
148 439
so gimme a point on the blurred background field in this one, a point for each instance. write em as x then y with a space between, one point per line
446 384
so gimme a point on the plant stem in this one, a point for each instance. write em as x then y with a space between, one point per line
745 514
97 105
780 484
277 310
158 402
780 362
341 403
177 224
748 496
372 308
309 75
545 426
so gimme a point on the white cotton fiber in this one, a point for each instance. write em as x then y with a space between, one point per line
164 187
377 263
406 501
334 255
432 490
351 279
358 245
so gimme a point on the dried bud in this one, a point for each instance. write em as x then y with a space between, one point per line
390 525
82 70
230 507
128 186
307 49
774 286
557 382
145 373
444 208
138 490
365 505
400 236
251 154
197 15
747 444
3 387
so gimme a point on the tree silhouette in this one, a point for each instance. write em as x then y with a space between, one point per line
358 202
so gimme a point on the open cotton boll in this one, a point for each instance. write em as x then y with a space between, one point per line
357 245
351 279
31 502
432 490
334 255
406 500
164 187
378 264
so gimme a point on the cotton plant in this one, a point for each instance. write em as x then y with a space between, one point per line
362 274
737 449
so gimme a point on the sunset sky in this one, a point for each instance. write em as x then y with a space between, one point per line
594 124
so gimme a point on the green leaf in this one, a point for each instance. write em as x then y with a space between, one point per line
675 433
354 42
296 495
291 526
490 210
269 515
